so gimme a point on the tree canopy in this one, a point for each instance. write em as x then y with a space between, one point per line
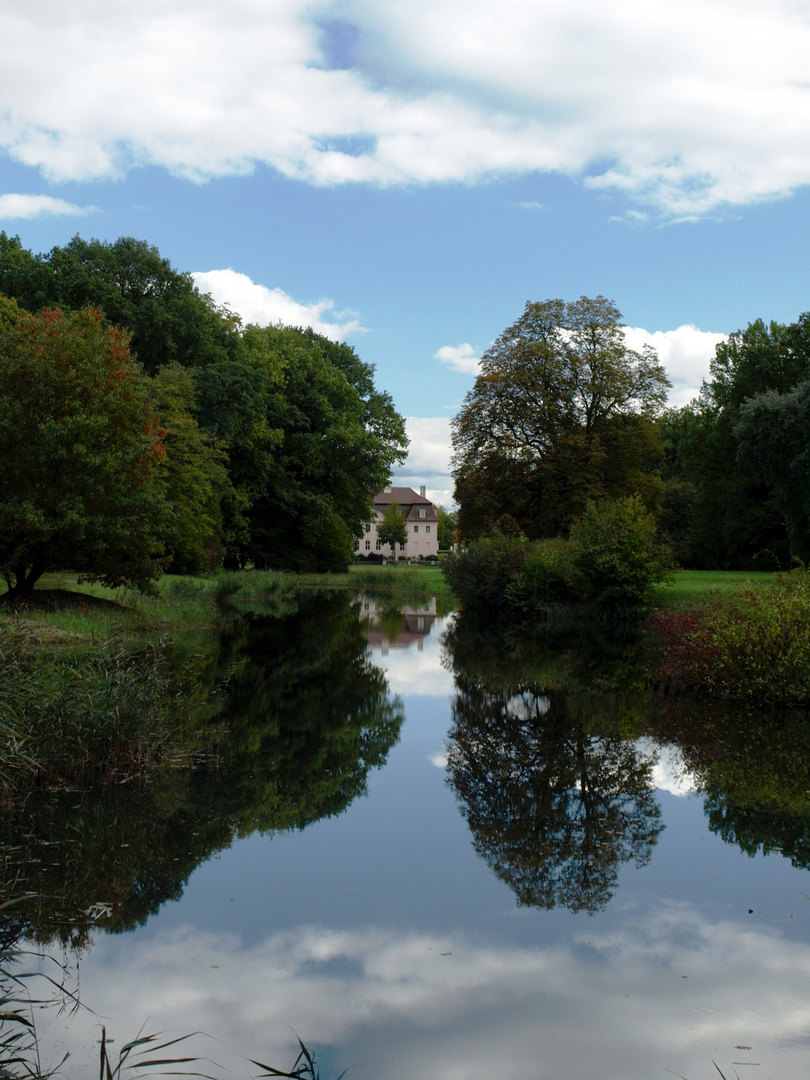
276 438
81 447
561 413
337 439
734 458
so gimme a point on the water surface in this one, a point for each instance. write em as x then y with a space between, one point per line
431 851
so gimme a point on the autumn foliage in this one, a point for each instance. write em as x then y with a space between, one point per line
81 448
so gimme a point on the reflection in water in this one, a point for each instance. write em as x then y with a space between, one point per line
556 796
387 944
390 626
288 719
754 768
553 808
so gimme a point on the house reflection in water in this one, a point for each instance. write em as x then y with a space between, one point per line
397 628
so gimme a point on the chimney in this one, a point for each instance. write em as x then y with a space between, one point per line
422 491
387 491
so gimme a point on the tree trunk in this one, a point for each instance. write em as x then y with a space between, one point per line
25 578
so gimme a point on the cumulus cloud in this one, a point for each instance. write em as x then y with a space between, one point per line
650 100
428 460
443 1004
459 357
34 206
258 304
685 353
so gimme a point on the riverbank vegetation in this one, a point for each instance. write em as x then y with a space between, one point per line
611 559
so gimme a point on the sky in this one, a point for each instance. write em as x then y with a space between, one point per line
406 176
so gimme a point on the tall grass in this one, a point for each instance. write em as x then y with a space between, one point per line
87 712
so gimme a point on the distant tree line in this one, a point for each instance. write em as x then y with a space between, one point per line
142 427
736 461
563 414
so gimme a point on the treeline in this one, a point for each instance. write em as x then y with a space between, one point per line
144 428
736 461
564 414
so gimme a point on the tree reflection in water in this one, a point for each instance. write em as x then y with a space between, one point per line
753 766
554 810
556 803
283 719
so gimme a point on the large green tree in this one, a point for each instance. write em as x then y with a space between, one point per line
731 470
336 438
135 287
561 413
194 475
81 448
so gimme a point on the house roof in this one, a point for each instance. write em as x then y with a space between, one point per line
405 496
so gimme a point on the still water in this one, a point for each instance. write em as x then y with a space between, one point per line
432 851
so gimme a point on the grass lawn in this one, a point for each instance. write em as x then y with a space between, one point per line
689 586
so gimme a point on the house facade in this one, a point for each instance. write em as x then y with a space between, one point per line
421 523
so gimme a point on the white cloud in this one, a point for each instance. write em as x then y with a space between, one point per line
685 353
34 206
428 460
682 107
405 1003
459 357
263 306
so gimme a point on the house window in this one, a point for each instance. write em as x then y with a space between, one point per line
368 528
416 528
379 544
427 528
368 545
401 547
421 513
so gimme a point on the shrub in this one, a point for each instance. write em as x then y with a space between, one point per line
612 559
548 576
616 553
480 575
753 645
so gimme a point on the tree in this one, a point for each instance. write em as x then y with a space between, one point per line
81 448
561 414
447 526
392 529
730 512
774 446
193 474
336 439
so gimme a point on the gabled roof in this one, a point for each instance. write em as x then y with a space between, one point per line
405 496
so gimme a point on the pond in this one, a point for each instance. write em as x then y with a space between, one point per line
431 850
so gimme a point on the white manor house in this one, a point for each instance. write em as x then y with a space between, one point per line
420 521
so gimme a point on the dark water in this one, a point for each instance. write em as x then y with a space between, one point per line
434 851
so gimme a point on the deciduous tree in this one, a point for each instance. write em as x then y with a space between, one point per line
81 448
392 529
537 436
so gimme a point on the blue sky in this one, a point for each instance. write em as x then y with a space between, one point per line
407 176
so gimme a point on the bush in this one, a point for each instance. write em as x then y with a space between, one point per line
616 554
753 645
548 576
480 575
612 559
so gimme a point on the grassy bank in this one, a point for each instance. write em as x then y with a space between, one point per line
64 612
